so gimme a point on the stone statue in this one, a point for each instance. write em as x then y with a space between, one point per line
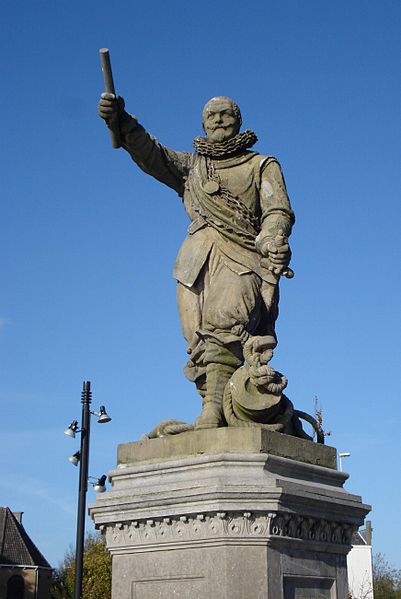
230 263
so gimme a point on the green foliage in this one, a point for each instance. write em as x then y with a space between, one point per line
96 572
386 579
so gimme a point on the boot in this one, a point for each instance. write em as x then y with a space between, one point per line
217 377
201 386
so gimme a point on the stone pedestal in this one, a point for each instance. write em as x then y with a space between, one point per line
230 513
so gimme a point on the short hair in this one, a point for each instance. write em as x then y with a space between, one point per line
234 106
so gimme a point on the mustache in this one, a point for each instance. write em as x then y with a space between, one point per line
219 127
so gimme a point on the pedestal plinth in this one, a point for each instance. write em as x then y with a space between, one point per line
232 513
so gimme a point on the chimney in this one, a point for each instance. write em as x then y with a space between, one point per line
368 532
18 516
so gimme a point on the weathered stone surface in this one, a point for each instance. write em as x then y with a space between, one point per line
227 440
226 520
230 263
228 513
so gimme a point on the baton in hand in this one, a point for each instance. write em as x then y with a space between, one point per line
109 87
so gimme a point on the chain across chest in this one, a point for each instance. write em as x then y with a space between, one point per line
237 185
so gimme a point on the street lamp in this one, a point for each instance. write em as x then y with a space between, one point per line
99 484
74 459
103 416
342 455
72 429
82 457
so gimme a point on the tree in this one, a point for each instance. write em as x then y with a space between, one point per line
96 572
386 579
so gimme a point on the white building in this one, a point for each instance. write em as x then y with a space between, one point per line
359 560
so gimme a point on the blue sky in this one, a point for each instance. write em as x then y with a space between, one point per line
88 241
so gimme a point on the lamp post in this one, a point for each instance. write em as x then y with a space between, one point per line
82 456
83 487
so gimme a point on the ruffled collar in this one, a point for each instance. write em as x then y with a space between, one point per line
237 144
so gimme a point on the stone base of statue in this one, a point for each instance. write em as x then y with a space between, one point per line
230 513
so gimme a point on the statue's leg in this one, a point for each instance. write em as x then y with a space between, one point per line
231 311
218 373
190 301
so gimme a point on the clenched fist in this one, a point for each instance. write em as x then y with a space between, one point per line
277 251
110 107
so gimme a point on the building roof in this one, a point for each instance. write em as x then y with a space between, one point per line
358 539
16 547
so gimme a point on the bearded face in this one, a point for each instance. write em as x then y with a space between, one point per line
220 120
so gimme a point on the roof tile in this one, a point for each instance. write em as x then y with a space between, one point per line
16 547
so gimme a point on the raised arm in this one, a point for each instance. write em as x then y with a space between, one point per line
164 164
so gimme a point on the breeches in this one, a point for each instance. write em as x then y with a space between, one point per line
218 314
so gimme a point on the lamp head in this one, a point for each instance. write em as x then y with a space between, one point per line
100 486
103 415
74 459
72 429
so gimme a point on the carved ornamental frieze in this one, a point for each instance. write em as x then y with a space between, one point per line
217 525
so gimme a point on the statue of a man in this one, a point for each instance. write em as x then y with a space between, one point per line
237 244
